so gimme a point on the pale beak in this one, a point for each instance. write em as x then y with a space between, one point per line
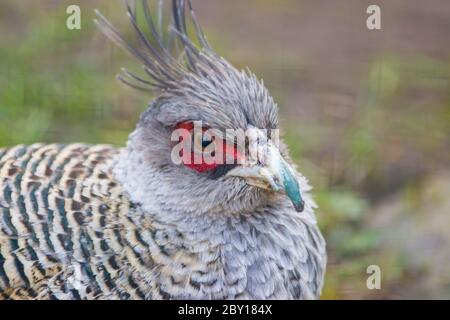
271 172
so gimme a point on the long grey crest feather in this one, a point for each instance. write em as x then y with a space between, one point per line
166 62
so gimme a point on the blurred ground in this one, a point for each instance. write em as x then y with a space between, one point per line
365 113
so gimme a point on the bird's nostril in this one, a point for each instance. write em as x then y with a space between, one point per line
276 180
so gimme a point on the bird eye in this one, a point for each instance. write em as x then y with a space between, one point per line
201 141
206 142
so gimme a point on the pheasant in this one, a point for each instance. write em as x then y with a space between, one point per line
82 221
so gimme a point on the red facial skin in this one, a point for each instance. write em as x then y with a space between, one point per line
227 150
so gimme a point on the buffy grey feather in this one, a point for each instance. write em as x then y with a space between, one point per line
97 222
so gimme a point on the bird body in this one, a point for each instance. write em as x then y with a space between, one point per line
55 201
69 231
98 222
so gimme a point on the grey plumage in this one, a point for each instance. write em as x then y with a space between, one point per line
82 221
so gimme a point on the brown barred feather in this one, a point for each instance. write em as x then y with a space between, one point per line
66 228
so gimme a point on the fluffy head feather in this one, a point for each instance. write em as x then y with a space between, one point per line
190 82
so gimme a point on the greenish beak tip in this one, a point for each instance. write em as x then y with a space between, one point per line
291 188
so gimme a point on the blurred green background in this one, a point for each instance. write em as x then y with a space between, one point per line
366 114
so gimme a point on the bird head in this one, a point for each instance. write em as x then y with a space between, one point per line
211 127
